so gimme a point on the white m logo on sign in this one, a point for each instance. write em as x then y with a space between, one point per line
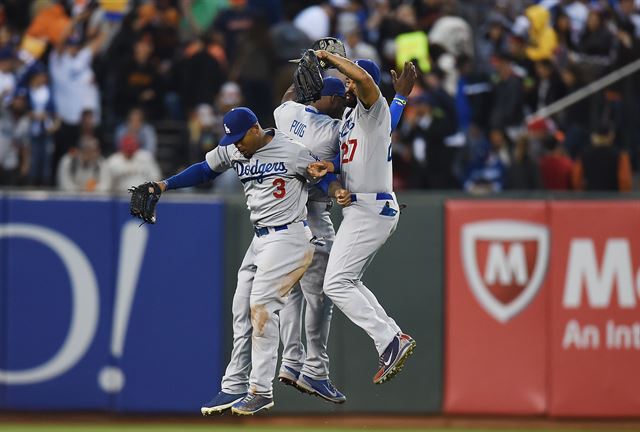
506 263
583 269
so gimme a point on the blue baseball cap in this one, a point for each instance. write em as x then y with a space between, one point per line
236 124
332 86
371 67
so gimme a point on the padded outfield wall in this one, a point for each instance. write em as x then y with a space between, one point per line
525 307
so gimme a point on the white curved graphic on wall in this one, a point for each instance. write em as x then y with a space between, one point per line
85 305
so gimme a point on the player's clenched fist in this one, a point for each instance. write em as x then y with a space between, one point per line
320 168
343 197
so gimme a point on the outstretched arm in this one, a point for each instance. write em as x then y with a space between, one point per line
367 89
192 176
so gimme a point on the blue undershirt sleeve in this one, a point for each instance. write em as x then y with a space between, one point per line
336 164
396 108
325 182
192 176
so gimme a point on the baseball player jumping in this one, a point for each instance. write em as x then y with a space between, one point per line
317 126
365 158
273 169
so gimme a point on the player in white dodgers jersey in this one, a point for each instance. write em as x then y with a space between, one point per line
365 150
317 126
272 169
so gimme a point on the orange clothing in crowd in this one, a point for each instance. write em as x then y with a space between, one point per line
51 24
603 168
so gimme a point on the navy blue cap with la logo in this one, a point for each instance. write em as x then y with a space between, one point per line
237 123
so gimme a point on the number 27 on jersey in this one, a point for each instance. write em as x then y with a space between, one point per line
348 150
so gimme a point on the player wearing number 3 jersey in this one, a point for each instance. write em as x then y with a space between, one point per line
273 170
373 215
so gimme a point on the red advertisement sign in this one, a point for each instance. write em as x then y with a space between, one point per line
497 255
595 308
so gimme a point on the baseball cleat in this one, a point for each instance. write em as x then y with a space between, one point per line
251 404
289 376
321 388
392 359
221 402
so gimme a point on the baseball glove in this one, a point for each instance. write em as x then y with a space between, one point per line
144 199
332 45
307 79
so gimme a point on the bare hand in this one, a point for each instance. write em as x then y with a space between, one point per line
319 169
323 55
343 197
404 83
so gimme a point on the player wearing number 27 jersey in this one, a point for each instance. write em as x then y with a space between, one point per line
365 156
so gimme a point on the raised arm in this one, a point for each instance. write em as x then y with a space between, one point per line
403 85
368 91
289 95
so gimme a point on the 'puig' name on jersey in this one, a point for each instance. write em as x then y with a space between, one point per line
258 171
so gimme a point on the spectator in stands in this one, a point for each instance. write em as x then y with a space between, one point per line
523 171
549 85
508 103
253 69
88 126
401 20
130 165
43 123
628 13
542 38
136 126
83 169
492 40
357 48
74 88
138 82
575 120
427 131
488 167
595 45
290 42
160 20
7 76
232 22
197 16
603 167
578 12
14 139
202 134
555 166
199 74
315 20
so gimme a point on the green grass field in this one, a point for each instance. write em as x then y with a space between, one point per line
198 428
253 427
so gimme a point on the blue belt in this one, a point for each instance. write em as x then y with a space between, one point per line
260 232
379 196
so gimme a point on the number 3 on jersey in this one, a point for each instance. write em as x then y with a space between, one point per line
349 150
280 191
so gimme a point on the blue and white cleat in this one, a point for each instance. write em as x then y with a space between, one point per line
289 376
251 404
321 388
392 359
220 403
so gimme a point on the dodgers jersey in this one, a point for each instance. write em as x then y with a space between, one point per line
318 132
365 148
274 179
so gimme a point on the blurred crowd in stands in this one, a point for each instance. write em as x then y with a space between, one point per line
99 95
